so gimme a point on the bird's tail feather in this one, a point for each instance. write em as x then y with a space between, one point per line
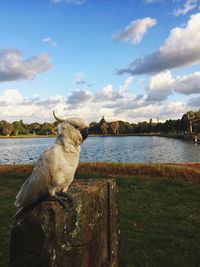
21 195
18 213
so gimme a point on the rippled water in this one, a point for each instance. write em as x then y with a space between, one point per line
118 149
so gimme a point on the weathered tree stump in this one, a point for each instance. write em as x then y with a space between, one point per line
86 235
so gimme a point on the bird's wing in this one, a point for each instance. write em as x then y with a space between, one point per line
40 181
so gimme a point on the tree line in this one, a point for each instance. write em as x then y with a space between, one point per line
17 128
178 126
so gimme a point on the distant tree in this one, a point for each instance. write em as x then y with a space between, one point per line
19 128
46 128
169 126
103 125
189 120
104 128
94 128
7 129
150 127
115 127
34 128
54 129
142 127
2 123
190 114
185 123
125 127
197 114
132 128
16 128
102 121
24 127
178 126
122 127
158 127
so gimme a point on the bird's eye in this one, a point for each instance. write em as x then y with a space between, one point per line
76 126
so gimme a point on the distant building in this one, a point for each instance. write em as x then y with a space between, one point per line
153 121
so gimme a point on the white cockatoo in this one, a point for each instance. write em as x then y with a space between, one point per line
55 168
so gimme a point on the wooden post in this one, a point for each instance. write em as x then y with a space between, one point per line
84 236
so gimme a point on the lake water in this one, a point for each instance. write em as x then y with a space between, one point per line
118 149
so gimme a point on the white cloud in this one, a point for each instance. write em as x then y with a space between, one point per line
135 30
187 7
120 103
160 86
13 67
112 98
107 94
11 96
125 86
78 98
181 48
187 84
171 109
49 102
161 80
50 41
168 110
79 78
17 106
82 103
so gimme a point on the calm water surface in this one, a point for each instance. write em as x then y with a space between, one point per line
118 149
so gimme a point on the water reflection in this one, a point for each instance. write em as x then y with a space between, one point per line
118 149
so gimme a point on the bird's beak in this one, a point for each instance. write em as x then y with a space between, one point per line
84 133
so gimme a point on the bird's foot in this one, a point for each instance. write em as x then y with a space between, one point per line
65 196
62 201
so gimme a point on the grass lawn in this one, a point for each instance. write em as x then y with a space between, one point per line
159 211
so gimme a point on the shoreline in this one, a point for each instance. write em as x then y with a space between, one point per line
124 164
176 136
27 136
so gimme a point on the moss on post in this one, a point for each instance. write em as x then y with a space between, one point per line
86 235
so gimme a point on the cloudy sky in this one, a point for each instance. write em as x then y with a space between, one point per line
126 59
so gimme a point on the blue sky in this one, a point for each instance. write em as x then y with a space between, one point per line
131 60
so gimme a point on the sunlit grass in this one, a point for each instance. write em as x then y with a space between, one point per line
160 223
152 171
159 210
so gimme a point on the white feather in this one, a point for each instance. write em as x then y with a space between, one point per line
55 169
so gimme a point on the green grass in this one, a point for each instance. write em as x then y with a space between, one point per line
160 223
9 185
159 218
